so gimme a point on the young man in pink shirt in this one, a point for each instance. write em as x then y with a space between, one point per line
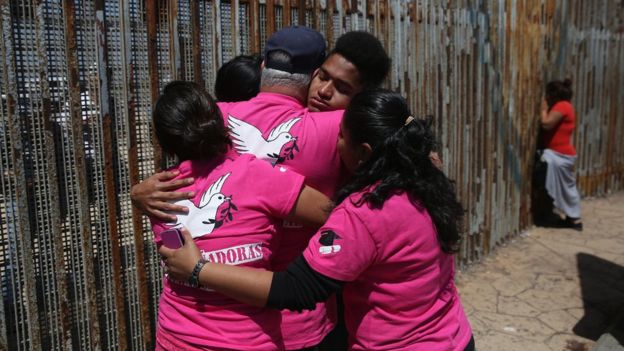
357 62
276 126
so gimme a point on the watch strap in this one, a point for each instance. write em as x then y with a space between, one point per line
193 280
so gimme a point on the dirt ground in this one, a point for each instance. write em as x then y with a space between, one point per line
550 289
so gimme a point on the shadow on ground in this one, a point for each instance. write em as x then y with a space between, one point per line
602 288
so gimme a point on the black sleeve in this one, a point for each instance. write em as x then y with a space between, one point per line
300 287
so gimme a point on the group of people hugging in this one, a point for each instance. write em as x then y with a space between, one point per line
313 208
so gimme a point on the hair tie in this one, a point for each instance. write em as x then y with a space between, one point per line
409 120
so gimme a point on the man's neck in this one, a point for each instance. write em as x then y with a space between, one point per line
299 94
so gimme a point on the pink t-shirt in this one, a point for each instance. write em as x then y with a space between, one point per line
233 220
280 130
400 293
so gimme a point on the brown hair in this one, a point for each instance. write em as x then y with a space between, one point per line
188 122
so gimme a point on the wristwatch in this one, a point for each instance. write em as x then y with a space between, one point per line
193 280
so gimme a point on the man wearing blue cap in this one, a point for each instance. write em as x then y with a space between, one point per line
291 57
277 127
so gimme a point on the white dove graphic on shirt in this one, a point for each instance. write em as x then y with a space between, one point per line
202 219
248 139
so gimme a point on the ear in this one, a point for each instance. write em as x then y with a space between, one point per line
316 72
364 152
262 65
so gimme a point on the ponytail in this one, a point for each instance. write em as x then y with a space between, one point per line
400 162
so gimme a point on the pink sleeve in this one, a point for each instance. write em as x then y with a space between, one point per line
343 248
224 107
277 187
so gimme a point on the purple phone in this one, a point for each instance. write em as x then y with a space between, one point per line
172 238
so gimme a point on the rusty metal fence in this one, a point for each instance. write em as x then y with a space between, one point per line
77 83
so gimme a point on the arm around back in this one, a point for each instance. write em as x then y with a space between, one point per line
311 209
153 195
299 287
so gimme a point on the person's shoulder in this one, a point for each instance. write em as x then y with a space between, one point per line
328 122
563 106
247 160
225 105
185 169
253 166
356 206
565 103
336 114
177 166
396 205
357 214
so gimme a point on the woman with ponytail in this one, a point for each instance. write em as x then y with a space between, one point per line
558 121
388 243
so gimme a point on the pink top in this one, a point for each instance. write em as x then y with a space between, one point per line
400 293
233 220
279 129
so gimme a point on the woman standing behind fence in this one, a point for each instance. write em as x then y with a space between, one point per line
558 122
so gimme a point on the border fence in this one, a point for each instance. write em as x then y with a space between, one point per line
78 79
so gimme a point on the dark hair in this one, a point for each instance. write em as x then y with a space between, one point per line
558 90
400 162
279 58
238 79
188 122
367 54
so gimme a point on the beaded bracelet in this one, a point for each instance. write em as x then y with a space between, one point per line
193 280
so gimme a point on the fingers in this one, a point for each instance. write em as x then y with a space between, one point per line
162 205
162 216
544 104
189 243
153 195
164 210
186 235
165 252
166 185
173 195
165 175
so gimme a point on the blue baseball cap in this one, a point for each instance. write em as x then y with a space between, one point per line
305 46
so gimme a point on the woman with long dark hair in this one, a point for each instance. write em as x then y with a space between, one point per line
558 120
388 243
